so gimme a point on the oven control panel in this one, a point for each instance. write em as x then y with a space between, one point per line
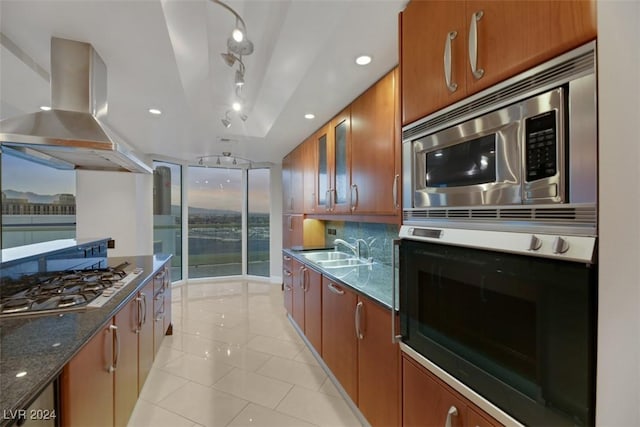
109 293
568 248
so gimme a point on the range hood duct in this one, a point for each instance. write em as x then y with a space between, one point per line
71 135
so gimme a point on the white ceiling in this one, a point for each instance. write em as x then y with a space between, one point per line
166 54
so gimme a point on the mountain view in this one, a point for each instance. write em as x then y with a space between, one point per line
30 196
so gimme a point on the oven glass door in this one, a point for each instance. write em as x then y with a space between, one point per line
519 330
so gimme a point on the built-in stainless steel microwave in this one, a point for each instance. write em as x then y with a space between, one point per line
525 147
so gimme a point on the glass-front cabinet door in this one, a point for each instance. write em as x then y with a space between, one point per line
340 175
322 193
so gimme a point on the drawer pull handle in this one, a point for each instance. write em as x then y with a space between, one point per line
333 288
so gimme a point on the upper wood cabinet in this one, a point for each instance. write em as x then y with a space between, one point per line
450 50
333 164
375 155
292 181
351 165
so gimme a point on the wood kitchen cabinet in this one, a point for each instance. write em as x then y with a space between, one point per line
379 393
292 181
125 376
287 282
375 155
292 230
312 285
298 293
427 401
146 350
86 383
357 347
333 164
161 306
339 344
437 40
309 173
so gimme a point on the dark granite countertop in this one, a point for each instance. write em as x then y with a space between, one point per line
41 345
374 281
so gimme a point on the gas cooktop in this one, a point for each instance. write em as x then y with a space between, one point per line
46 293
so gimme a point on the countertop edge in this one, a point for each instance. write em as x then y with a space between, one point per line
297 255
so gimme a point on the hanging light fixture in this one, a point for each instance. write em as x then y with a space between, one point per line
226 121
238 45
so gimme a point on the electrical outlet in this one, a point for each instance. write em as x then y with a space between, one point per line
331 231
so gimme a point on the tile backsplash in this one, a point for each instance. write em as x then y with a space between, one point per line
379 237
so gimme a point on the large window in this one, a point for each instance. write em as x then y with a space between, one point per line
258 184
38 202
215 222
167 214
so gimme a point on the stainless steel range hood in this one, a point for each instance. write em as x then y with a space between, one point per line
71 135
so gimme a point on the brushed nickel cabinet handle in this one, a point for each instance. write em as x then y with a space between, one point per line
473 45
114 358
358 320
354 205
394 190
333 288
453 412
447 61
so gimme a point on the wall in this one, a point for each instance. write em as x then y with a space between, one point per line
117 205
618 379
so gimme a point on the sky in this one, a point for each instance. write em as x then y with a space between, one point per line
23 175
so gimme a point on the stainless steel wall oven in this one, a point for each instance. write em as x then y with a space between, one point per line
498 248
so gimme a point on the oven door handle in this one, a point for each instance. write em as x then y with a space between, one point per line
395 338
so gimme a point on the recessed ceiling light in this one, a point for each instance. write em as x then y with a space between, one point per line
45 108
155 111
309 116
363 60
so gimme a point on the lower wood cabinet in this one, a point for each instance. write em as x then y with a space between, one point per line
427 401
146 350
379 393
287 283
312 286
86 383
125 376
101 384
161 306
339 343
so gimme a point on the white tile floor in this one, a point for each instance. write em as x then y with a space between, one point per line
235 360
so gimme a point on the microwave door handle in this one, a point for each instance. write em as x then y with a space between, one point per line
447 61
473 45
395 338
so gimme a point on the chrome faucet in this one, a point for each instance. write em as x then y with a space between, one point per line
355 248
352 248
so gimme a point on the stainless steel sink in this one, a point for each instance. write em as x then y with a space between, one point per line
326 256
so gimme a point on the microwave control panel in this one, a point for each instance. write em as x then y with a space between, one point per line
541 142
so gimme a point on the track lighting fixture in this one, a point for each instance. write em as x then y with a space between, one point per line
238 45
225 159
